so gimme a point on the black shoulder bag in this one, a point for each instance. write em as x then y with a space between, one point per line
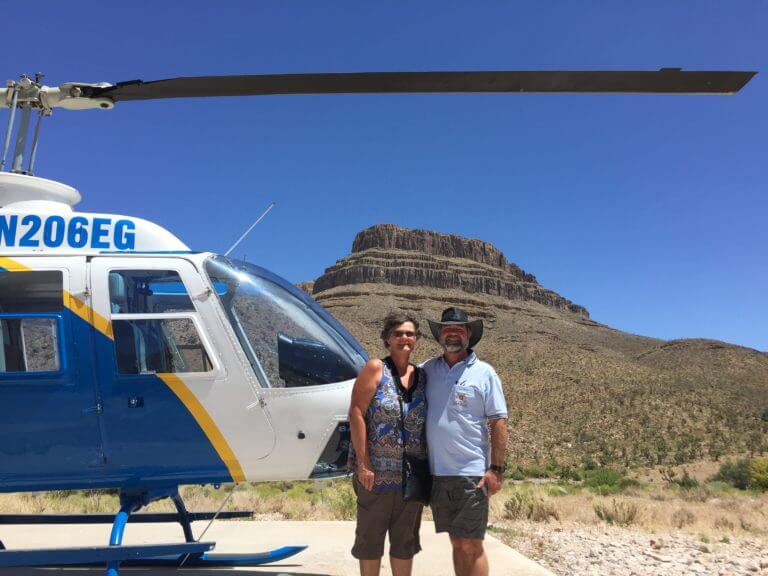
417 479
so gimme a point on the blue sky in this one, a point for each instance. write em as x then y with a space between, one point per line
648 210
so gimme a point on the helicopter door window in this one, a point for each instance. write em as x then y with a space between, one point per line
28 344
148 292
159 345
31 305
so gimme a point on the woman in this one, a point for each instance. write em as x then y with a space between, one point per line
376 458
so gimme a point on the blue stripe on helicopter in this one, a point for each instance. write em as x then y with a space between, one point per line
55 438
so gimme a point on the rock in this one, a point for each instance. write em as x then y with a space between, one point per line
306 286
389 254
658 557
704 548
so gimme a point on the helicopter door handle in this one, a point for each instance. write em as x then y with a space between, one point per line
136 402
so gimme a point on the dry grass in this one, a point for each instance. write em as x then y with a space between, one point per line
712 512
708 512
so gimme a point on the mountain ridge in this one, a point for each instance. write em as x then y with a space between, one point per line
577 389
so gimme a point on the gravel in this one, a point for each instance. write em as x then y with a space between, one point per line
580 550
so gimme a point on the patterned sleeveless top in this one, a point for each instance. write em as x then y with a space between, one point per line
382 425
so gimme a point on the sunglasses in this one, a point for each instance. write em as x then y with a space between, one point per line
401 333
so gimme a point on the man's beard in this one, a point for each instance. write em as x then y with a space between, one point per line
455 345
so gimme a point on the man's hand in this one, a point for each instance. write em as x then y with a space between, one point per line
492 481
365 477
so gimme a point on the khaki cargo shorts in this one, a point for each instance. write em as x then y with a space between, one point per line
459 507
383 511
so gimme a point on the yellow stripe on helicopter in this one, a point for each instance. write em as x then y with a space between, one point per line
207 424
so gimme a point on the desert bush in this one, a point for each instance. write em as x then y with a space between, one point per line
686 481
536 472
523 504
722 523
699 494
570 473
619 513
516 473
737 473
758 474
682 517
606 481
341 500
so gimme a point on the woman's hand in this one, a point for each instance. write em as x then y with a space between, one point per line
365 477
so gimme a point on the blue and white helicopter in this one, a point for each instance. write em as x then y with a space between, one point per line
129 362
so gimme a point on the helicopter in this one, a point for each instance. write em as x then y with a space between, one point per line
130 362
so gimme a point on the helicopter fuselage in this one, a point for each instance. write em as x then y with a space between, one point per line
127 360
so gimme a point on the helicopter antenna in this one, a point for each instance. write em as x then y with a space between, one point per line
251 227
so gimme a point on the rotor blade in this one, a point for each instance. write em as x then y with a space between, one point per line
664 81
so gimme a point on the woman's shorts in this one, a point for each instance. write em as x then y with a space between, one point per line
383 511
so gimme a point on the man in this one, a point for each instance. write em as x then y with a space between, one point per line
465 400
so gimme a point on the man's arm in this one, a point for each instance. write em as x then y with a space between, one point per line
492 480
499 438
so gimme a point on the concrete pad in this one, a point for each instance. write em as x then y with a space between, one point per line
328 553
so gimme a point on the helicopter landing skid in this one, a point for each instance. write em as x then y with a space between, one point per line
192 553
220 560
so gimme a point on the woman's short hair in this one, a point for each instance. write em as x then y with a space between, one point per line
395 319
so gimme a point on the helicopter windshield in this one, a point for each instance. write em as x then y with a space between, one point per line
290 340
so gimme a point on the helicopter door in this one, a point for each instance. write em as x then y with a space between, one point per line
49 416
171 408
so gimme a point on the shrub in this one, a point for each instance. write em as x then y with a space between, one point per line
341 500
569 473
526 505
682 517
607 481
535 472
588 462
737 473
602 477
686 481
758 474
619 513
722 523
516 473
700 494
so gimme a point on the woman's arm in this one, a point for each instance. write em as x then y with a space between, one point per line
362 393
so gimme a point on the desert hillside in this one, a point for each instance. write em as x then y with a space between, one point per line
576 389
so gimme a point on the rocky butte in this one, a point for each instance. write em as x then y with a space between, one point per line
389 254
577 390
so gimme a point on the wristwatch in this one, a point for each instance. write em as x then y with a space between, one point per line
498 469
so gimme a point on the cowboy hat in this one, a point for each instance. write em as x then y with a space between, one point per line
458 316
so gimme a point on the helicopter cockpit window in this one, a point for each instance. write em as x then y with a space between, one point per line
31 304
147 292
289 339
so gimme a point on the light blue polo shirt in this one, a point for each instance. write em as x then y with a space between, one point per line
459 401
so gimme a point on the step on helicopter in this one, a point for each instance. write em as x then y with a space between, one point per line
130 362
